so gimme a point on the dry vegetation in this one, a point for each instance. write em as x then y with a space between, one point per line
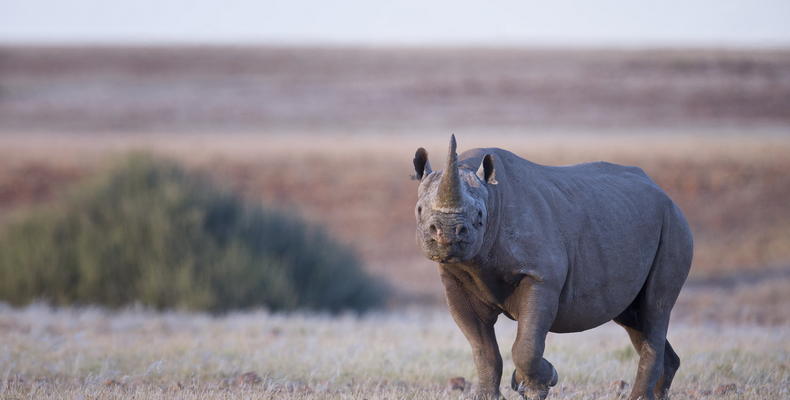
90 353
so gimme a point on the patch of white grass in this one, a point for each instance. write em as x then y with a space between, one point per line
82 353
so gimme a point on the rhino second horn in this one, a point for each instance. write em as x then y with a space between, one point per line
449 195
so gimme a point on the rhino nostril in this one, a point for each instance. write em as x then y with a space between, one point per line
432 228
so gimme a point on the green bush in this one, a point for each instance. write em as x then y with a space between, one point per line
150 232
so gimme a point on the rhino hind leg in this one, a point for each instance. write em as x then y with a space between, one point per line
671 362
647 319
671 365
646 322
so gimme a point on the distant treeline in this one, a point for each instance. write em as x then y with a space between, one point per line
263 89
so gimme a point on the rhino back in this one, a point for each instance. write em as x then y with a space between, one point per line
592 230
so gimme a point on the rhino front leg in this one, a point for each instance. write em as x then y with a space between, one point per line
537 309
476 321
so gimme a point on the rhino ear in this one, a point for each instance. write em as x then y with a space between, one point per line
421 165
486 171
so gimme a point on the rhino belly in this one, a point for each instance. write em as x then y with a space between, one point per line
595 294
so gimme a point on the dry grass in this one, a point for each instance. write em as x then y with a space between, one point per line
92 353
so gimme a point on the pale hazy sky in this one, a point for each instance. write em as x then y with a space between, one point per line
454 22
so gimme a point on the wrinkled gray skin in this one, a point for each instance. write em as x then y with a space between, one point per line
558 249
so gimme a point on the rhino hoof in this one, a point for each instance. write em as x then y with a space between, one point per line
553 382
513 384
519 387
554 377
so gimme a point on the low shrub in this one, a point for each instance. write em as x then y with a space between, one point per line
152 233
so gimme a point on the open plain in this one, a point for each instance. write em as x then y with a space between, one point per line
93 353
329 134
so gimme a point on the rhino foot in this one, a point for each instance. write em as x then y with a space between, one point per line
555 377
536 393
484 396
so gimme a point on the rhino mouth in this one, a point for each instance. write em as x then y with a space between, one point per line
447 260
450 254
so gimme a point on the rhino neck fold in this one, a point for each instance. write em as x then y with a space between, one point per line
493 224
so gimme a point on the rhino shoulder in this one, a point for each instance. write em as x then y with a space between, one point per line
472 158
613 168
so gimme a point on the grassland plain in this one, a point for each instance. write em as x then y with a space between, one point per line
731 325
92 353
329 134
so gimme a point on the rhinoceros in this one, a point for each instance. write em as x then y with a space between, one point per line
557 249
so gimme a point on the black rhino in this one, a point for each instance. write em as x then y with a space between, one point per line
557 249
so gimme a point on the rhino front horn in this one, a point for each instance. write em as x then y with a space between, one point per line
449 195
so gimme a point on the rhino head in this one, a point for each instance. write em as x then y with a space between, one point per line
452 207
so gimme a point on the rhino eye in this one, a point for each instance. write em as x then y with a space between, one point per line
480 214
419 210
